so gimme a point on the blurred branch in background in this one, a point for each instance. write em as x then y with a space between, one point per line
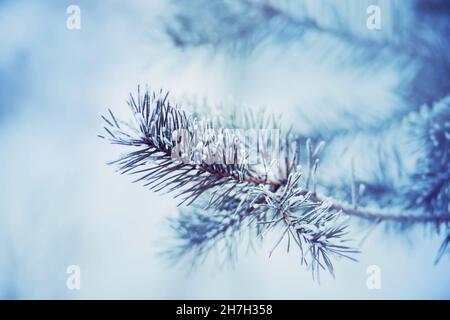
414 37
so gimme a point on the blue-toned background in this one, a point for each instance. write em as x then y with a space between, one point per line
60 204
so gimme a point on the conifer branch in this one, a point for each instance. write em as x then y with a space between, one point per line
212 172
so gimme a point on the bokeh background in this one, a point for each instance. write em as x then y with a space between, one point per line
60 204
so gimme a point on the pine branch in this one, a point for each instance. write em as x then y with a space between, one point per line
212 171
431 184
